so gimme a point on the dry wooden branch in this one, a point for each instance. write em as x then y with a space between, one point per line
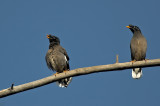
117 61
78 72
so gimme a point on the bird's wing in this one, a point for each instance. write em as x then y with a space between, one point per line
49 59
63 51
133 47
143 44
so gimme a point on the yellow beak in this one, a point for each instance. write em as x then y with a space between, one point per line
47 36
128 26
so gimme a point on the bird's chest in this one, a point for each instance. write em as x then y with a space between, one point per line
136 44
137 48
58 61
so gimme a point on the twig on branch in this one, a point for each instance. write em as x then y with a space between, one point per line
117 61
78 72
12 86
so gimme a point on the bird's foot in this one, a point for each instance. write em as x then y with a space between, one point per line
133 61
146 60
65 71
55 74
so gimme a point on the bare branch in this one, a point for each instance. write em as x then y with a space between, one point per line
78 72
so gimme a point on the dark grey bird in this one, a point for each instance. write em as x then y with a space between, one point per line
57 59
138 47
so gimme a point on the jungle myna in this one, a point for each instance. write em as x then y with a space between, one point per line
57 59
138 47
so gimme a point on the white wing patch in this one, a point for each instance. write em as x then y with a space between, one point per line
65 58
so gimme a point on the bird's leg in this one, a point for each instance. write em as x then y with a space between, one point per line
55 74
146 60
65 71
133 61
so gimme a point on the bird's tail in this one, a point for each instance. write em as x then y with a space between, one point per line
64 82
136 73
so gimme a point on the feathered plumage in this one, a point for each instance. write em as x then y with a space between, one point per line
57 59
138 48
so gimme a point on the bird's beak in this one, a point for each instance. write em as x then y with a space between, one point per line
128 26
47 36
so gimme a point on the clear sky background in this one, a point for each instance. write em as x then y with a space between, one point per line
92 32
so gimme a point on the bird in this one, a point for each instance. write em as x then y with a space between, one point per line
57 59
138 48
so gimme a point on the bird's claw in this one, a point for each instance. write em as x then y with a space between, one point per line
133 61
146 60
55 74
65 71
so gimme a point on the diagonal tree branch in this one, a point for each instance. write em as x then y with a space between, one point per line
77 72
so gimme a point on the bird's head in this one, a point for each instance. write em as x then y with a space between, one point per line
133 28
53 39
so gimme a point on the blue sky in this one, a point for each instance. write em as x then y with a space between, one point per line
92 32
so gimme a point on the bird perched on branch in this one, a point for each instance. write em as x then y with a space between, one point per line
138 47
57 59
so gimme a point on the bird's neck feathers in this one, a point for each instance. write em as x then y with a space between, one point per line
136 31
53 44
